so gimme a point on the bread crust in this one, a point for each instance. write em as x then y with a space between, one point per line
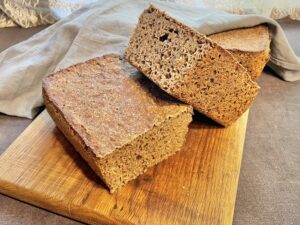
111 167
250 46
189 66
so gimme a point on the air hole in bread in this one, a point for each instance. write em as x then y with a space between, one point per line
173 31
187 57
164 37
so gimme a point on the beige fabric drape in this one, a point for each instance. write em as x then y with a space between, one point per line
105 27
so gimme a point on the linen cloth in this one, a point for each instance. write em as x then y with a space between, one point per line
105 27
30 13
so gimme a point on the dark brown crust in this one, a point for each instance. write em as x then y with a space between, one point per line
102 164
109 71
97 164
71 134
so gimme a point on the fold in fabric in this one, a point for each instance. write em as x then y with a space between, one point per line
105 27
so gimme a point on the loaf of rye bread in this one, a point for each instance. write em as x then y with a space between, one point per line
250 46
119 121
189 66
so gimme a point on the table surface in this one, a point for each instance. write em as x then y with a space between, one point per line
269 184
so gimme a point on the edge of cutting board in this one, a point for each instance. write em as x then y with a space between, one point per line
211 158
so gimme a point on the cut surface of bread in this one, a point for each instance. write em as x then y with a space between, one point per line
190 67
250 46
119 121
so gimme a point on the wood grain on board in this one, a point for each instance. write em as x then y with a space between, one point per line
198 185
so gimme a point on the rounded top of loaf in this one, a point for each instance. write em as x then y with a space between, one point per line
253 39
108 103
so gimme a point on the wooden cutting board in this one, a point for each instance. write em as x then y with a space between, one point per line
198 185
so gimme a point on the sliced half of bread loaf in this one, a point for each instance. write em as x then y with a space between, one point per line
119 122
250 46
190 67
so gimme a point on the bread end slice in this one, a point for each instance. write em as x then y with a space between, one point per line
250 46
